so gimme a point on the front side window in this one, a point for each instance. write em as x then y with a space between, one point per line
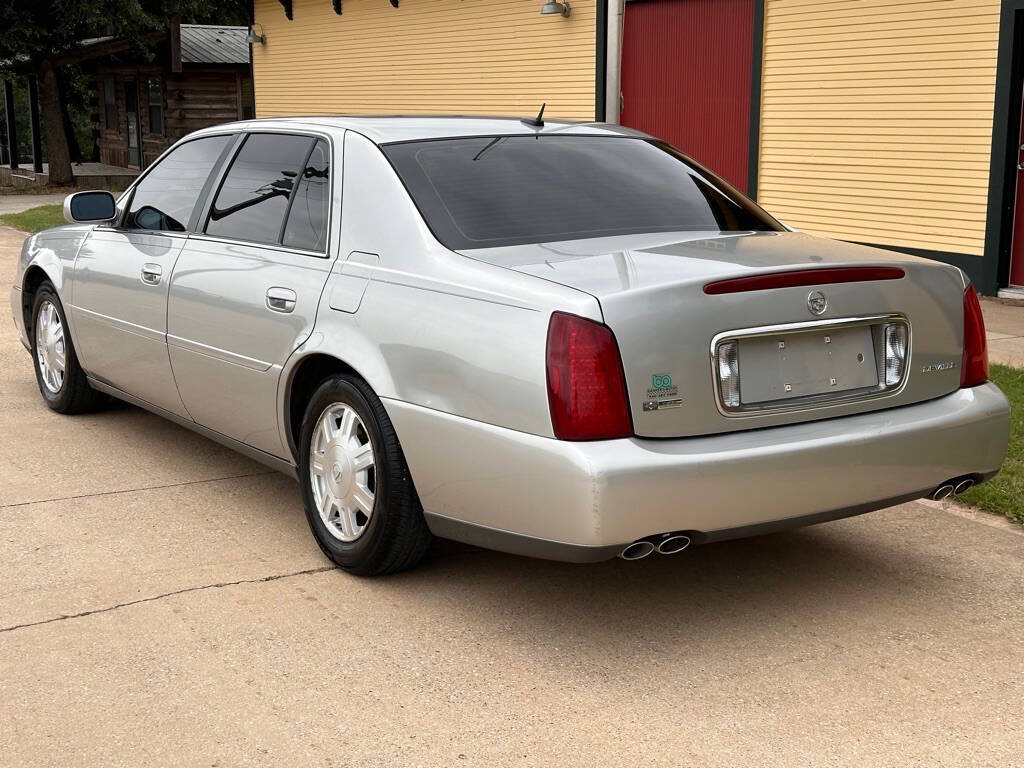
512 190
155 102
109 104
253 199
165 199
307 219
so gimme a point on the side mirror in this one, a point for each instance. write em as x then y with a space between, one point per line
90 206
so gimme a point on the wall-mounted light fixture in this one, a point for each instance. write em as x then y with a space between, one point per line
555 7
252 38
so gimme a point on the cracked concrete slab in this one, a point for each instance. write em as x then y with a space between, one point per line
892 639
161 596
163 605
92 551
123 448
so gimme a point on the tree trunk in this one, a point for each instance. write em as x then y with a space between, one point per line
74 151
53 126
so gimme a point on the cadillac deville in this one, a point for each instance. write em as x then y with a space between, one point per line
561 340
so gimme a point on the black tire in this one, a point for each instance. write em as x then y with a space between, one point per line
396 536
75 395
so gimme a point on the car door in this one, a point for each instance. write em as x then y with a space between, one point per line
122 274
244 293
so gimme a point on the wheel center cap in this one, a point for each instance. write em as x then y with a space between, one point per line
339 473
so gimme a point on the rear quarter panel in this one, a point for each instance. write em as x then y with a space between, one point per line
425 325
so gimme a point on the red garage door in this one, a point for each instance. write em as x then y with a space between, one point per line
686 68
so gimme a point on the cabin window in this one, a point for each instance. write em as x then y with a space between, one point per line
109 104
156 105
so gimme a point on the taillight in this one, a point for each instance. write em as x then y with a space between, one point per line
974 369
586 385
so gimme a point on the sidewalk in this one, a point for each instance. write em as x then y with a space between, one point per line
1004 323
19 203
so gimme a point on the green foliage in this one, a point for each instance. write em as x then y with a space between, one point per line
35 219
53 29
1004 494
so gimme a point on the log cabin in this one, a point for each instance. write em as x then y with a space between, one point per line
194 76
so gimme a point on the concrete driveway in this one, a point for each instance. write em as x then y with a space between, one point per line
162 603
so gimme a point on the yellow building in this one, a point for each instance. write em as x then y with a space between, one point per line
488 57
889 122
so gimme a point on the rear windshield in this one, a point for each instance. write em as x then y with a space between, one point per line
509 190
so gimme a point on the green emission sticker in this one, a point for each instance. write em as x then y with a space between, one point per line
662 393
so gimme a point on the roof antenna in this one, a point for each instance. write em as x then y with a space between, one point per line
535 122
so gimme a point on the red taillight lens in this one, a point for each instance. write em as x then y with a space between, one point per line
586 385
974 369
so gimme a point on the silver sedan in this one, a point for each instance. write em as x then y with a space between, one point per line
561 340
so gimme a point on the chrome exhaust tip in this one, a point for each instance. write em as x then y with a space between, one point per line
964 485
942 492
638 550
673 544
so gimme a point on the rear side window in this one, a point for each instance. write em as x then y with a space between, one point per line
511 190
253 199
165 198
307 219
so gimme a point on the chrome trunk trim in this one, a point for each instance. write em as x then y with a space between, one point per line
810 402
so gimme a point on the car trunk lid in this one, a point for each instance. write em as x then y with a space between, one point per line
795 363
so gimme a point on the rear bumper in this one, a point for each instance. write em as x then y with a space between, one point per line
583 501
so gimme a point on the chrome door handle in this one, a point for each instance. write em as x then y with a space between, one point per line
151 274
280 299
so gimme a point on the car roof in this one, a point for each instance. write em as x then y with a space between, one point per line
388 129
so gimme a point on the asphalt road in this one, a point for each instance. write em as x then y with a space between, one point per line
162 603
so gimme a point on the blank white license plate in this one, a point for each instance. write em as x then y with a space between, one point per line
806 364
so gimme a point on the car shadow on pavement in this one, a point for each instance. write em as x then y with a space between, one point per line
768 589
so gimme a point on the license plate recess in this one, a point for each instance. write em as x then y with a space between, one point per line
807 364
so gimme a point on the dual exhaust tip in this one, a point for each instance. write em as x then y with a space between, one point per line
673 543
947 489
665 544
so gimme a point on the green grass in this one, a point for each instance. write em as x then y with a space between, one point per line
1004 494
35 219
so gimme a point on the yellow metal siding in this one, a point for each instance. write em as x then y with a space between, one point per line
497 57
876 119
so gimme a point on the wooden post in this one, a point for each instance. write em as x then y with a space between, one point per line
175 44
33 121
12 128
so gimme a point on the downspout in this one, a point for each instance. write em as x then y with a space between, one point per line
613 62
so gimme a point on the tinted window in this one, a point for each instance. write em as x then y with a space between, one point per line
165 198
492 191
253 199
307 219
